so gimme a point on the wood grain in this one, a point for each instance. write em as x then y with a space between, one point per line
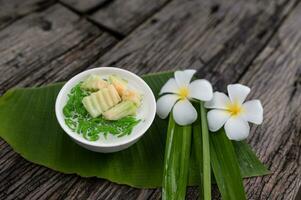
11 10
221 39
226 41
49 42
123 16
275 78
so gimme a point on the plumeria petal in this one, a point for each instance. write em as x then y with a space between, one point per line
165 104
238 92
200 89
183 78
237 129
217 118
218 101
253 111
170 86
184 113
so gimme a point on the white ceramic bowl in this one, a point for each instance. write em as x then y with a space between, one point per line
146 112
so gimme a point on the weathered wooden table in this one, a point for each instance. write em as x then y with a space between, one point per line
257 43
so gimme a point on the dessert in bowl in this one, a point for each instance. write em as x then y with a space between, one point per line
105 109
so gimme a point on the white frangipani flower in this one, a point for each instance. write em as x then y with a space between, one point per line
178 93
233 112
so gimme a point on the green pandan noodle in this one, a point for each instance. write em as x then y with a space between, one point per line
79 120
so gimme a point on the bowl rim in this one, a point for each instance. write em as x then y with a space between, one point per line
60 116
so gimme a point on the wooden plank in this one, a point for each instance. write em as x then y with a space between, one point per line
123 16
275 78
221 39
49 42
84 6
11 10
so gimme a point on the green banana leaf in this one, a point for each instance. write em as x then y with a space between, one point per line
225 167
201 151
176 163
29 125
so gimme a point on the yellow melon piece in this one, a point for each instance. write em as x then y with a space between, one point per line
132 95
101 101
119 83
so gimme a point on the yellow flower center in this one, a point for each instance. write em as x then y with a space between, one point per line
183 93
235 109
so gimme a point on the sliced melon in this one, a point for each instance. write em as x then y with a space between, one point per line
123 109
114 94
94 83
91 105
106 100
101 101
95 103
119 83
132 95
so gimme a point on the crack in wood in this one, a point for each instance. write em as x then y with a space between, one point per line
8 15
115 34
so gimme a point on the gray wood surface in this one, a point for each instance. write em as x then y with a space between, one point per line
252 42
11 10
42 44
275 77
123 16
